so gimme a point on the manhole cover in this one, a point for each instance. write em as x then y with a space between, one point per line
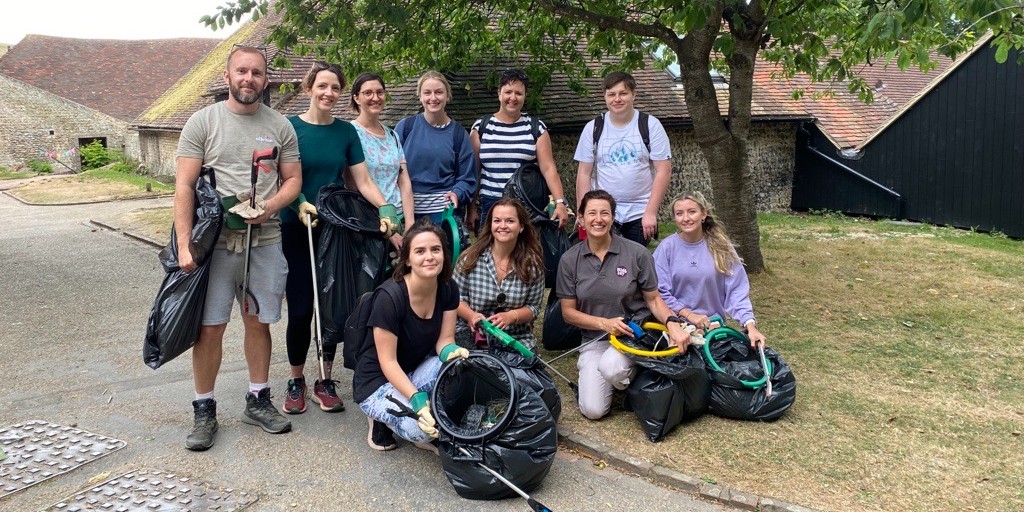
39 450
153 491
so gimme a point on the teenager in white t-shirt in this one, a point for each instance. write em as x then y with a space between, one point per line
623 163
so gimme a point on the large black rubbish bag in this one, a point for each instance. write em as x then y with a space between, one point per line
554 241
484 415
667 390
527 186
352 257
530 372
557 334
177 313
738 389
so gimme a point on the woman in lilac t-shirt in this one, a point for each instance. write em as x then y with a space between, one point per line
699 272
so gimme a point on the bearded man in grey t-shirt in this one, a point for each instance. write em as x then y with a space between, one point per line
224 136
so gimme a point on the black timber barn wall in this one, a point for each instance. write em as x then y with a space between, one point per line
955 158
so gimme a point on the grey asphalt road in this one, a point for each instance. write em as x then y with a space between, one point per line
73 306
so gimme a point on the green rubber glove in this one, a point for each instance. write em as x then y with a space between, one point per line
389 222
451 351
421 404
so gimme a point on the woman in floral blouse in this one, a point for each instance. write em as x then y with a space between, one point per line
501 277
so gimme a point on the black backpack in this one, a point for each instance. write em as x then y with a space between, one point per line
358 335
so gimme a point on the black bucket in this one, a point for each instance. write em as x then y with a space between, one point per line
484 415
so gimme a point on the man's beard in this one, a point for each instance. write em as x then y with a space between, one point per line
244 99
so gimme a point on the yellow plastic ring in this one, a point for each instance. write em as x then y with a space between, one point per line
644 353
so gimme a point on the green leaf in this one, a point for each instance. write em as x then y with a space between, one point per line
1002 52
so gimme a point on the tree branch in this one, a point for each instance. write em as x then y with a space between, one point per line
656 30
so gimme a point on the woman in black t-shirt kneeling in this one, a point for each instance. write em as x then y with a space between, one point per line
413 323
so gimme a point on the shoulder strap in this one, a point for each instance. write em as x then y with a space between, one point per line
598 128
535 127
483 125
407 127
643 124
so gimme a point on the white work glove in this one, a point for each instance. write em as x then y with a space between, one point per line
243 210
307 208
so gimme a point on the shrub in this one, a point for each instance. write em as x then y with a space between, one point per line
40 166
94 156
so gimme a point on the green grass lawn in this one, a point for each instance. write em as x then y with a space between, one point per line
8 174
96 185
906 344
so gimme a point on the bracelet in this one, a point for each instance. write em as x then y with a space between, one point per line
515 312
675 319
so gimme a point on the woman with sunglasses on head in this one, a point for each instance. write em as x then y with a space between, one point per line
437 150
384 156
508 139
699 272
501 276
331 153
601 281
413 321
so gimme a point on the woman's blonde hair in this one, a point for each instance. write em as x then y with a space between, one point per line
721 248
436 76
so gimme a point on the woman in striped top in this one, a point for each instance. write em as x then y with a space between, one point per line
509 139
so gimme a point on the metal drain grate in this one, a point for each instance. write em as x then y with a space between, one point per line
153 490
39 450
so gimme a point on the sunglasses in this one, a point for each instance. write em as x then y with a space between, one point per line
500 302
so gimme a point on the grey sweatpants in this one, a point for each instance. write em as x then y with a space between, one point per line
601 369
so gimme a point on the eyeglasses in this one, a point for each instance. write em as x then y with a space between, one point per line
369 94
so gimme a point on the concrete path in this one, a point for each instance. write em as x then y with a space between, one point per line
73 306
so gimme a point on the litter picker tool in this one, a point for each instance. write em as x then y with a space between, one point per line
258 156
767 372
504 338
318 335
577 349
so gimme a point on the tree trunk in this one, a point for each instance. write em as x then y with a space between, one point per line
724 147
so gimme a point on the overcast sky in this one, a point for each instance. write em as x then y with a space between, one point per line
107 19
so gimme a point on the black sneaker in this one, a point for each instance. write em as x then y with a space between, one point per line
201 437
380 437
261 412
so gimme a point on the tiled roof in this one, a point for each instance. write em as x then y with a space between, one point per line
848 121
119 78
561 109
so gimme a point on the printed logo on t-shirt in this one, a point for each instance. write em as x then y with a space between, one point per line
265 138
623 152
620 271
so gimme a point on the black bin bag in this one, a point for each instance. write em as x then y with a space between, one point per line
485 416
352 258
557 334
527 186
667 390
738 383
530 372
177 313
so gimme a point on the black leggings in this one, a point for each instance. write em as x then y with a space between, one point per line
299 292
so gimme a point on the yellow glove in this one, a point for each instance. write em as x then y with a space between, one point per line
307 208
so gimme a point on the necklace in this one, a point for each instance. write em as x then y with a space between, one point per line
373 130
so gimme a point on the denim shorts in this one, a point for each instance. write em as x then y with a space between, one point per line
268 273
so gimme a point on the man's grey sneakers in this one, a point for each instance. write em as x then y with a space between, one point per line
201 437
261 412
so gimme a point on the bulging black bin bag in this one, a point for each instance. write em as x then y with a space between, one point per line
177 313
527 186
529 372
557 334
352 257
730 397
553 243
667 390
485 416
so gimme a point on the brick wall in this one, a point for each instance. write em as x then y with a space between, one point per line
772 153
35 124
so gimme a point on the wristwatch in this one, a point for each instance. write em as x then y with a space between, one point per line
560 200
675 319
